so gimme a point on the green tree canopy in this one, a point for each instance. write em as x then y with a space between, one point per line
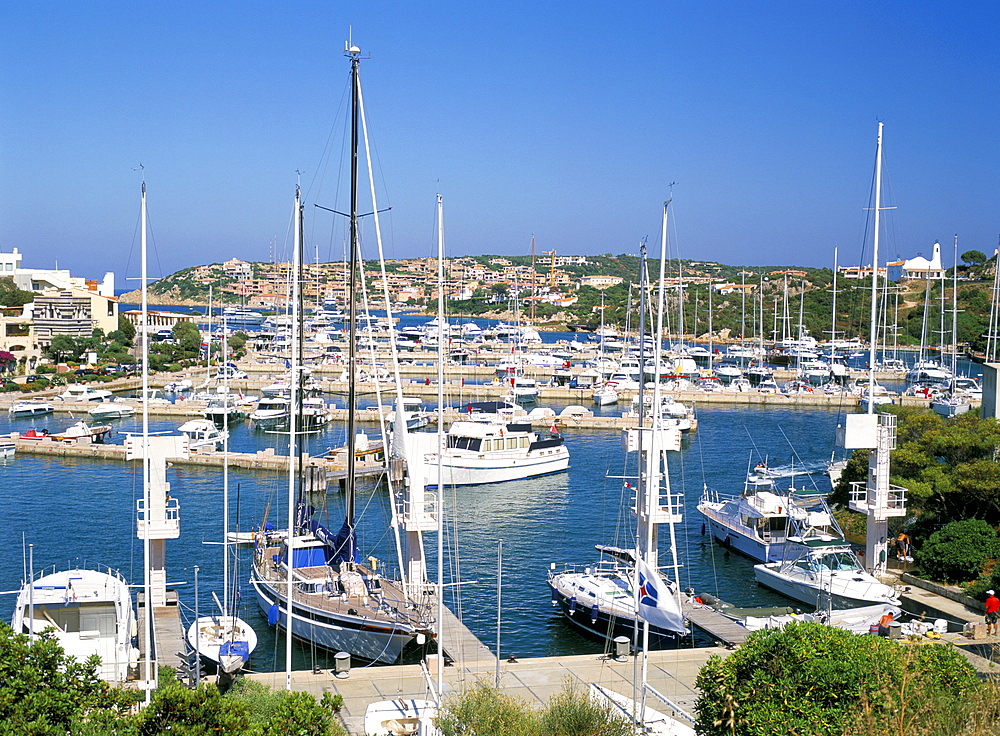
11 296
43 691
813 679
974 257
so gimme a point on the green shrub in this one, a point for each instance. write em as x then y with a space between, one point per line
571 712
280 713
813 679
485 711
45 368
10 386
958 550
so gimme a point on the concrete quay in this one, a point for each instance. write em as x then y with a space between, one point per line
672 673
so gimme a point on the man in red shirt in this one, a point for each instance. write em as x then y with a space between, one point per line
992 613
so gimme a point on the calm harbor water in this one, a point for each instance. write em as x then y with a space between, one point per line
74 508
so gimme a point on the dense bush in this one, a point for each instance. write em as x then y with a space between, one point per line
43 692
813 679
957 551
486 711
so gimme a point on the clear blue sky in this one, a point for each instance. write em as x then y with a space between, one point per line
568 121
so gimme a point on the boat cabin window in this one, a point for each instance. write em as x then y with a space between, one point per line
465 443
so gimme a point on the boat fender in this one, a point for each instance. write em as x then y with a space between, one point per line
594 609
555 597
572 604
272 614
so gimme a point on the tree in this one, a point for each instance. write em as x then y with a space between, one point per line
7 361
127 329
43 690
187 336
237 344
62 348
11 296
974 257
957 551
176 709
813 679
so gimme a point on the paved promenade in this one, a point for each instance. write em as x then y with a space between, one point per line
672 673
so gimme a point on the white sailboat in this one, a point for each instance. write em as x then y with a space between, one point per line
611 599
223 638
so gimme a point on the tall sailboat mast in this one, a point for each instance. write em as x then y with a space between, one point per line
439 504
873 334
293 445
149 674
355 55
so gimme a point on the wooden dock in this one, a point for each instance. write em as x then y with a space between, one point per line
168 633
719 627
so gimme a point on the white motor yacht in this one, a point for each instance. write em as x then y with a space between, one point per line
203 433
824 573
79 392
30 408
88 612
491 452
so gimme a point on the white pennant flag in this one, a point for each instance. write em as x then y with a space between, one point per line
654 602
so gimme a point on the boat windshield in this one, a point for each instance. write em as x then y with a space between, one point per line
838 560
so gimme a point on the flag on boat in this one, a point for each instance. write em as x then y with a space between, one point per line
654 602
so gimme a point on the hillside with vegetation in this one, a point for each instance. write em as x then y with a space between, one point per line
778 299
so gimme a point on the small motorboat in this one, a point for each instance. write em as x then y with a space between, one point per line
402 716
30 408
824 572
203 433
176 387
111 410
82 432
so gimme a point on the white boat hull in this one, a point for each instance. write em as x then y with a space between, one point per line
817 588
89 612
475 470
223 640
401 717
737 540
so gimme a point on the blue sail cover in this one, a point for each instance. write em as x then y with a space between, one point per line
340 548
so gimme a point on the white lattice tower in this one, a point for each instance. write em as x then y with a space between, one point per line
877 498
157 513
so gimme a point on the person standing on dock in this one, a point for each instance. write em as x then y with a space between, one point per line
992 613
